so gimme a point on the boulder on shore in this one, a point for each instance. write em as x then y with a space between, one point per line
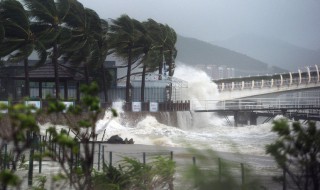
115 139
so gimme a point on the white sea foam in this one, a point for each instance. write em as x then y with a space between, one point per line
195 129
202 92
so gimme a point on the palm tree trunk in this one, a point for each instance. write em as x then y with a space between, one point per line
161 63
128 76
170 74
86 73
56 72
143 82
170 63
26 77
104 84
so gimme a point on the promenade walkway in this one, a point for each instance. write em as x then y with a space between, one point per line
269 85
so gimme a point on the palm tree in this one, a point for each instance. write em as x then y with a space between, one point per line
170 48
83 48
124 33
148 51
88 46
103 47
49 15
159 36
150 61
20 37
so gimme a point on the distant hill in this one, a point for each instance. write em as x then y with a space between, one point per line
272 51
195 52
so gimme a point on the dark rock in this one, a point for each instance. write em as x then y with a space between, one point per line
115 139
131 141
126 141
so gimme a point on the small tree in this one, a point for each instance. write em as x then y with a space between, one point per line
77 153
18 126
297 152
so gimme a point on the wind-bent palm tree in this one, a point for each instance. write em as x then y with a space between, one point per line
88 46
124 33
159 36
50 15
20 37
83 48
169 47
103 42
148 52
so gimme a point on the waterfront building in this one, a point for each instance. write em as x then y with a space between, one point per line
42 83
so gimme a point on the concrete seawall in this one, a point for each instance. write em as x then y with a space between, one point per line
174 118
166 118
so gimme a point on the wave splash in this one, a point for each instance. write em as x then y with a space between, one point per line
195 129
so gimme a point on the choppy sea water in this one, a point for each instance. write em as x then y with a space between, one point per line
246 139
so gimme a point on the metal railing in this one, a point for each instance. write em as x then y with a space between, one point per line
258 103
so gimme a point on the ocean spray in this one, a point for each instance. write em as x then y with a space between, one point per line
197 129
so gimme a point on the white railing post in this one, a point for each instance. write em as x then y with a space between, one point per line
300 79
318 75
309 75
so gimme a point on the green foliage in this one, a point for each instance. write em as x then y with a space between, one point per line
23 162
140 174
7 177
59 177
40 182
55 106
131 174
211 172
110 178
297 152
21 124
114 112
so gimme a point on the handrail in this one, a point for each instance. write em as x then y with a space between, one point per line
276 81
257 103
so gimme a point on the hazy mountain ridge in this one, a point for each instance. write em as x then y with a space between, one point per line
196 52
272 51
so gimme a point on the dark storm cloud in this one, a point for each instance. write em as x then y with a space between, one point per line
296 21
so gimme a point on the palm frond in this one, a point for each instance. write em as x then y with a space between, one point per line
62 8
13 29
13 11
75 15
22 53
7 47
41 10
42 53
47 36
2 32
64 35
73 45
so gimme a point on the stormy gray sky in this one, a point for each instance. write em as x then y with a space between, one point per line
295 21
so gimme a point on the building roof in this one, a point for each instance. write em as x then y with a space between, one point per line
46 71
